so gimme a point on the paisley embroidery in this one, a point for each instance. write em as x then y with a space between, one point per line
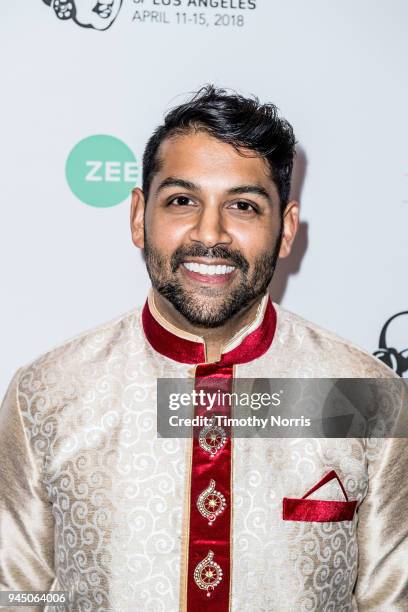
211 503
212 438
208 574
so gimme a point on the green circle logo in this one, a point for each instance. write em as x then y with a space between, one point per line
101 171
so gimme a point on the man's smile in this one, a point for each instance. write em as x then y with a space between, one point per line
214 273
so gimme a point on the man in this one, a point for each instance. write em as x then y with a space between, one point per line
95 503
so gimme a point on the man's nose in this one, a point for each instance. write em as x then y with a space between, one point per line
209 228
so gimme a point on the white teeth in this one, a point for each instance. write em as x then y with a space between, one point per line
210 270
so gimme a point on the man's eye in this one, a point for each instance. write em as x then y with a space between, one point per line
181 201
244 206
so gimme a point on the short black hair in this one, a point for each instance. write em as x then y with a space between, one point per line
234 119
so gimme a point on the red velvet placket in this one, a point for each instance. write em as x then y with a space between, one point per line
210 526
209 551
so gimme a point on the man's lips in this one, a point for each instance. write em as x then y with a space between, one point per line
215 273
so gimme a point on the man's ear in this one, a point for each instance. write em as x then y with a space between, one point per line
137 211
290 227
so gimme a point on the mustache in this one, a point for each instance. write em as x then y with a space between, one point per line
217 252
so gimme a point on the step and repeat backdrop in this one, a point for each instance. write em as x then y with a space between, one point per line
84 83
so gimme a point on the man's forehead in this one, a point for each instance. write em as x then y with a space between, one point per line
199 153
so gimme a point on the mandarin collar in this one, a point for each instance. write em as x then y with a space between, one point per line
249 343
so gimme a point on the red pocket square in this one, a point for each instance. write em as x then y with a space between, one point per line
304 509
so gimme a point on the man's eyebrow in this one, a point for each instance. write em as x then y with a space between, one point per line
255 189
172 181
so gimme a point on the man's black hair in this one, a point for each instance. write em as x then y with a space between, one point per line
236 120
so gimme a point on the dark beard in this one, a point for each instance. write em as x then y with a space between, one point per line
185 302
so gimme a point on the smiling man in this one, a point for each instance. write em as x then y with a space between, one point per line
217 220
96 504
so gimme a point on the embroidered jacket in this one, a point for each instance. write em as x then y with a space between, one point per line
95 503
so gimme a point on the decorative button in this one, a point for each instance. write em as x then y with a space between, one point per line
212 438
211 503
208 574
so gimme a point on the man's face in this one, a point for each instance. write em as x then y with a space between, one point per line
212 228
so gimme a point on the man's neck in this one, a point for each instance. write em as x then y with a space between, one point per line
215 338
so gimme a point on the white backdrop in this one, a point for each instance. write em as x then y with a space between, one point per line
337 71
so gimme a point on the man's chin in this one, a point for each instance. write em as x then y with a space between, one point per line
206 322
208 313
205 307
202 316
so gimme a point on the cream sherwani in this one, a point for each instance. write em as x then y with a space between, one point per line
93 502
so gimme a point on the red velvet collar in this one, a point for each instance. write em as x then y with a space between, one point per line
169 344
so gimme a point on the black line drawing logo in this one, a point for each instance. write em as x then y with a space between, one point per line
395 334
96 14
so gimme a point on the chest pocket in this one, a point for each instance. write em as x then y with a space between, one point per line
319 510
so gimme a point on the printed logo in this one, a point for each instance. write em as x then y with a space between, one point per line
101 171
101 14
393 343
95 14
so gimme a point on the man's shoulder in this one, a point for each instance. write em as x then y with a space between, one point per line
94 345
326 349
